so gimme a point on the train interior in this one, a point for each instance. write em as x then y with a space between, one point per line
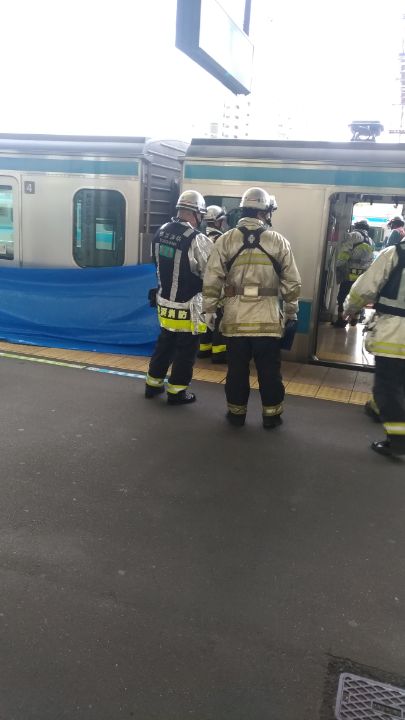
346 346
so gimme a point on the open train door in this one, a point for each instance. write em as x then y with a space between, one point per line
10 250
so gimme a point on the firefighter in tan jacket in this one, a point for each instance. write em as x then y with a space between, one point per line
384 285
251 265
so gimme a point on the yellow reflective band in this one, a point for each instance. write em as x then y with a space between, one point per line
386 348
237 409
252 261
355 275
343 256
218 349
181 325
175 389
272 409
204 347
154 382
394 428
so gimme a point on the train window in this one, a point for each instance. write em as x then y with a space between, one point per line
6 223
98 228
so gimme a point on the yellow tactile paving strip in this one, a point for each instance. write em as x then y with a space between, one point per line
314 381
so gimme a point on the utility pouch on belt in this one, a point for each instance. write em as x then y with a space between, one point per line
152 297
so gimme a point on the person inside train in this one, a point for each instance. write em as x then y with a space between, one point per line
215 220
180 252
212 342
396 225
383 285
354 257
249 267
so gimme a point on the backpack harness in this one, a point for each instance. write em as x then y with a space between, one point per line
250 244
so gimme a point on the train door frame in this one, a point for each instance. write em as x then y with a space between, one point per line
355 197
7 180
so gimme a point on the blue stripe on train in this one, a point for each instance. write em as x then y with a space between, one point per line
71 165
312 176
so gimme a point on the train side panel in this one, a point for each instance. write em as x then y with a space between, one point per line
304 191
54 227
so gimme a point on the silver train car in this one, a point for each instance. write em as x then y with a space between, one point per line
317 186
68 201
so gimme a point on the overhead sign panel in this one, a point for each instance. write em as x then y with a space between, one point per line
207 34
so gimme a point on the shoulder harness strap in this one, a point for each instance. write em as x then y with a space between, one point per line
249 245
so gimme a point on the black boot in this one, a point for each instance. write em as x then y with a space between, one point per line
385 447
235 420
184 397
202 354
339 323
151 392
219 358
271 421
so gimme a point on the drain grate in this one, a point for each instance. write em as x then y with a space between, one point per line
361 698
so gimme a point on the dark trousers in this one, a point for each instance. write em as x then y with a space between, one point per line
265 352
389 395
344 289
178 349
213 341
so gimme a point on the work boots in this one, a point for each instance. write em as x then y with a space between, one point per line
184 397
235 420
151 392
271 421
339 322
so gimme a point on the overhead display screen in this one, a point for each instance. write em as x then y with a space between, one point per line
207 34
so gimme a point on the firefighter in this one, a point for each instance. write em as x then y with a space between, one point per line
180 252
214 221
354 257
250 266
396 225
384 284
212 343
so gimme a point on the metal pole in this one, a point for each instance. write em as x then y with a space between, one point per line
246 19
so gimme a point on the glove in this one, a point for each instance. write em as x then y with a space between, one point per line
209 320
290 329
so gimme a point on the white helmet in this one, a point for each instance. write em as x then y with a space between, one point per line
192 200
258 199
215 213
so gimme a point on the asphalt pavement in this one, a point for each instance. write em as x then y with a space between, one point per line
157 564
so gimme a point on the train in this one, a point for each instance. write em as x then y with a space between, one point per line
68 201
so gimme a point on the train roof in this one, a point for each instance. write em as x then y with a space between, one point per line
337 153
94 145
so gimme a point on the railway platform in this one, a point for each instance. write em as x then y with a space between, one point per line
158 564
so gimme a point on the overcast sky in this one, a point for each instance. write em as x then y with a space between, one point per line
97 66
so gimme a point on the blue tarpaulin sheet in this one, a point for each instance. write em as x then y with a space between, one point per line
100 309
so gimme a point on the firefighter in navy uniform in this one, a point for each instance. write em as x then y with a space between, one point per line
354 257
180 253
213 343
251 265
384 285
